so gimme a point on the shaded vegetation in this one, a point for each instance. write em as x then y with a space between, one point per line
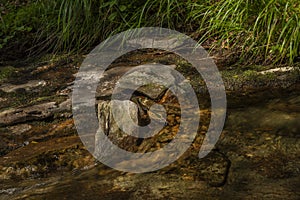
256 31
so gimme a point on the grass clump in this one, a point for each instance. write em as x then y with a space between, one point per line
261 30
76 25
257 31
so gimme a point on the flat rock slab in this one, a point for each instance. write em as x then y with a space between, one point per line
37 158
20 128
19 115
30 113
26 86
134 80
29 152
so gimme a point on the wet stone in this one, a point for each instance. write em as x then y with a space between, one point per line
3 99
30 85
111 129
19 115
20 128
125 133
36 112
3 147
213 168
133 80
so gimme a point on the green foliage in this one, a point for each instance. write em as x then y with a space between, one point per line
260 30
6 72
83 23
13 25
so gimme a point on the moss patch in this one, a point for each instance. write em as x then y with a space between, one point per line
6 72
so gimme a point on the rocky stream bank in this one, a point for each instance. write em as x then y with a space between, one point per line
256 157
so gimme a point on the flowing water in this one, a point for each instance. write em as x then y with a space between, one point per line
261 141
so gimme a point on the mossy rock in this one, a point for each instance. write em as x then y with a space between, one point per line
6 72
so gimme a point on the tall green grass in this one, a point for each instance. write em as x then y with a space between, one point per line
260 30
256 30
84 23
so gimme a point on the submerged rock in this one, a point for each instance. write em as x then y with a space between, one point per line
213 168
